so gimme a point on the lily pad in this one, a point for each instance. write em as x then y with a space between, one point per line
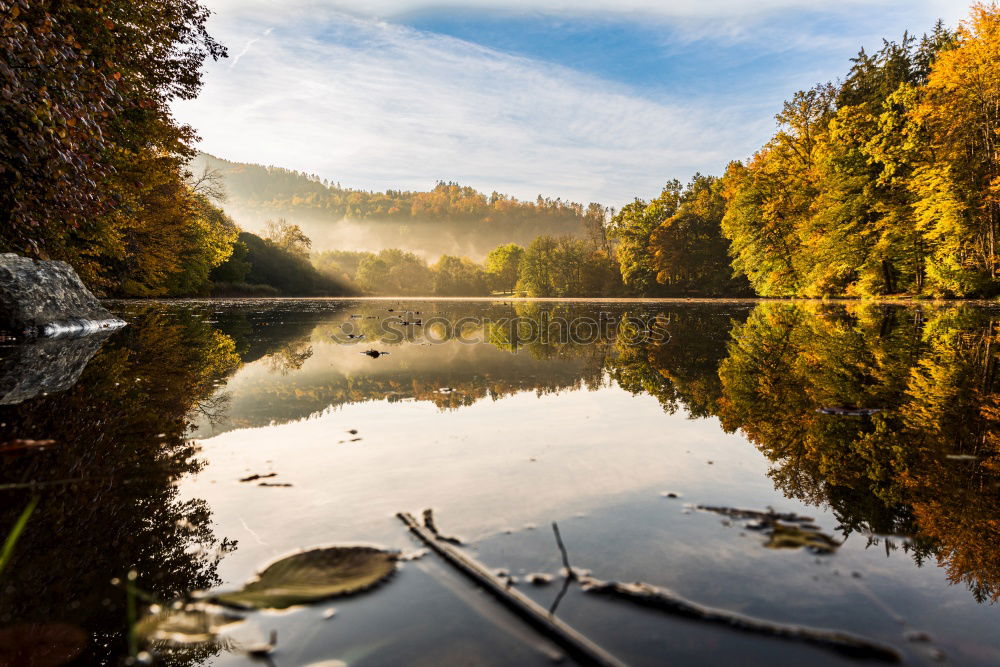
312 576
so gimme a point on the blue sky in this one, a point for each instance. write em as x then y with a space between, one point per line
585 99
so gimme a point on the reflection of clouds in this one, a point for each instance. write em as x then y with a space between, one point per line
474 466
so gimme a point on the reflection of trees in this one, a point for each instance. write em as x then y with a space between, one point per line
682 370
289 357
926 466
108 500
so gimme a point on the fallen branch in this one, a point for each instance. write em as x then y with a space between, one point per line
671 603
576 645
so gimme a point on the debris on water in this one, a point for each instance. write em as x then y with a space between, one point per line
312 576
539 578
274 484
254 478
431 526
785 530
374 354
916 636
352 431
576 572
667 601
849 411
329 613
413 555
785 536
737 513
263 651
670 494
190 623
354 439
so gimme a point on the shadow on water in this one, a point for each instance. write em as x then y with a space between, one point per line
920 477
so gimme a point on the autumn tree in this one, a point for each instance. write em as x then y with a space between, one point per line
287 236
632 229
459 276
502 264
689 252
86 133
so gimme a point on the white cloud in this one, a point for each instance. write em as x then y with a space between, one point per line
377 105
373 104
697 9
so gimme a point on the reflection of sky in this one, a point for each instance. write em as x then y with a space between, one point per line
474 464
586 100
595 460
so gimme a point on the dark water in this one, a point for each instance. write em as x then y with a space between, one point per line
502 431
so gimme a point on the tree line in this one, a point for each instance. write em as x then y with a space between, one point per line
284 192
91 159
884 183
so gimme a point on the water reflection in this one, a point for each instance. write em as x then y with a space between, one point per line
919 478
108 503
924 467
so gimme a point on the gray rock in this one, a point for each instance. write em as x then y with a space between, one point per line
47 298
44 366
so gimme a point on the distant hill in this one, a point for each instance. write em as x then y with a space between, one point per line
450 218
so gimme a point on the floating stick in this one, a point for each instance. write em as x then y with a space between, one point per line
576 645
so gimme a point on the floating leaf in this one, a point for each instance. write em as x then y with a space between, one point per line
797 537
190 624
312 576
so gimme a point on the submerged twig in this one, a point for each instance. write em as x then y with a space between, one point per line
666 601
570 574
431 526
576 645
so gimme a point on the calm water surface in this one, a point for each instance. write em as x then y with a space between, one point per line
503 431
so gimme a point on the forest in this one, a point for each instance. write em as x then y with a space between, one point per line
884 183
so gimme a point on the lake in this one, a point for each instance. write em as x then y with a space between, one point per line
833 466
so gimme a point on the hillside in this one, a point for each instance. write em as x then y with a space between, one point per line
449 218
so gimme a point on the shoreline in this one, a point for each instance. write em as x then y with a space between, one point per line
501 299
